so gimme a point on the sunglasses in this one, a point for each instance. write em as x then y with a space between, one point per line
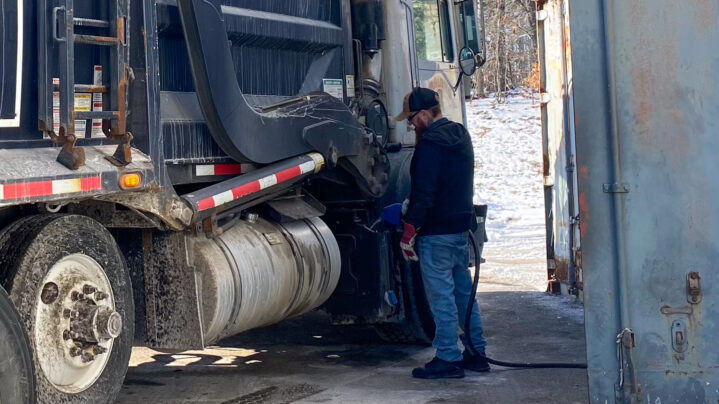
411 117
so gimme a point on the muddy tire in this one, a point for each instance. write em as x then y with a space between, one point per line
70 285
17 377
417 324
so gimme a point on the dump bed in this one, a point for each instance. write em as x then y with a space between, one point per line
275 78
279 49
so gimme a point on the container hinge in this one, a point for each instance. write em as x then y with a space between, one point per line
694 288
616 188
627 391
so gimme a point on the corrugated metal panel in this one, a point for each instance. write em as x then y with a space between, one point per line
647 121
558 135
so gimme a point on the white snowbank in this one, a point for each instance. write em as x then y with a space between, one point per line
507 142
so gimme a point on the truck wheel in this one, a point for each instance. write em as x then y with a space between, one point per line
417 325
17 377
69 283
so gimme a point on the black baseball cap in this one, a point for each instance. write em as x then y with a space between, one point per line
418 99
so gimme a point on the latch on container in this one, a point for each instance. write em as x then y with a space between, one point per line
694 288
679 336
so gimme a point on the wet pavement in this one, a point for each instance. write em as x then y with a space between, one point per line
305 360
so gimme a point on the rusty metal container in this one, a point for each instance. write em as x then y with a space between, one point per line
635 93
558 141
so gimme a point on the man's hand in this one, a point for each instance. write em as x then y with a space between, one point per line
407 243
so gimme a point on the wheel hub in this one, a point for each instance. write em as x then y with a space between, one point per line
92 323
75 323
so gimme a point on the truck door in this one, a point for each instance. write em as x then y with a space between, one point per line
10 62
437 53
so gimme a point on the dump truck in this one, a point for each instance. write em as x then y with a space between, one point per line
173 172
177 172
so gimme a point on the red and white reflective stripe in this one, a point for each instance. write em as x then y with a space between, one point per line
258 185
34 189
203 170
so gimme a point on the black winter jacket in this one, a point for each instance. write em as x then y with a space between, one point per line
442 171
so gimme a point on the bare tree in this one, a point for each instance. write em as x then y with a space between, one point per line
510 40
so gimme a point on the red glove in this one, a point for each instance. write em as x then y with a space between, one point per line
407 243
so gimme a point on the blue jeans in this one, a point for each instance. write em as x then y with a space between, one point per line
444 260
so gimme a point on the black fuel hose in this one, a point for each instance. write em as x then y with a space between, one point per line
468 316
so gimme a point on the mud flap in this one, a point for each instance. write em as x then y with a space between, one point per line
171 292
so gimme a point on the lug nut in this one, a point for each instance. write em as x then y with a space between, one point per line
66 335
74 314
99 295
75 351
88 290
74 296
87 357
66 313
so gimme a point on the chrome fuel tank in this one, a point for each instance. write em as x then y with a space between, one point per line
259 272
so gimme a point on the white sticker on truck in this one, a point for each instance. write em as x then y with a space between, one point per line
333 87
55 109
350 79
83 102
97 102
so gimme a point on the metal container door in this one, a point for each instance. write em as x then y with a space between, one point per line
646 97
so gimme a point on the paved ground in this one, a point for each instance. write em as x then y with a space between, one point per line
305 360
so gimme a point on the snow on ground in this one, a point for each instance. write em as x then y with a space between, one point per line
507 140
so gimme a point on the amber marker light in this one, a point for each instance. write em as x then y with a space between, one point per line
131 180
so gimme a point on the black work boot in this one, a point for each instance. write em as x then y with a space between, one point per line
475 363
438 369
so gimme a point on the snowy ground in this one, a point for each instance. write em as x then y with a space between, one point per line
507 141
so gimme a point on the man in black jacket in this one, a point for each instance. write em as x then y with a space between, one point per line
439 217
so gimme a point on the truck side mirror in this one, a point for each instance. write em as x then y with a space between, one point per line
471 21
467 61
